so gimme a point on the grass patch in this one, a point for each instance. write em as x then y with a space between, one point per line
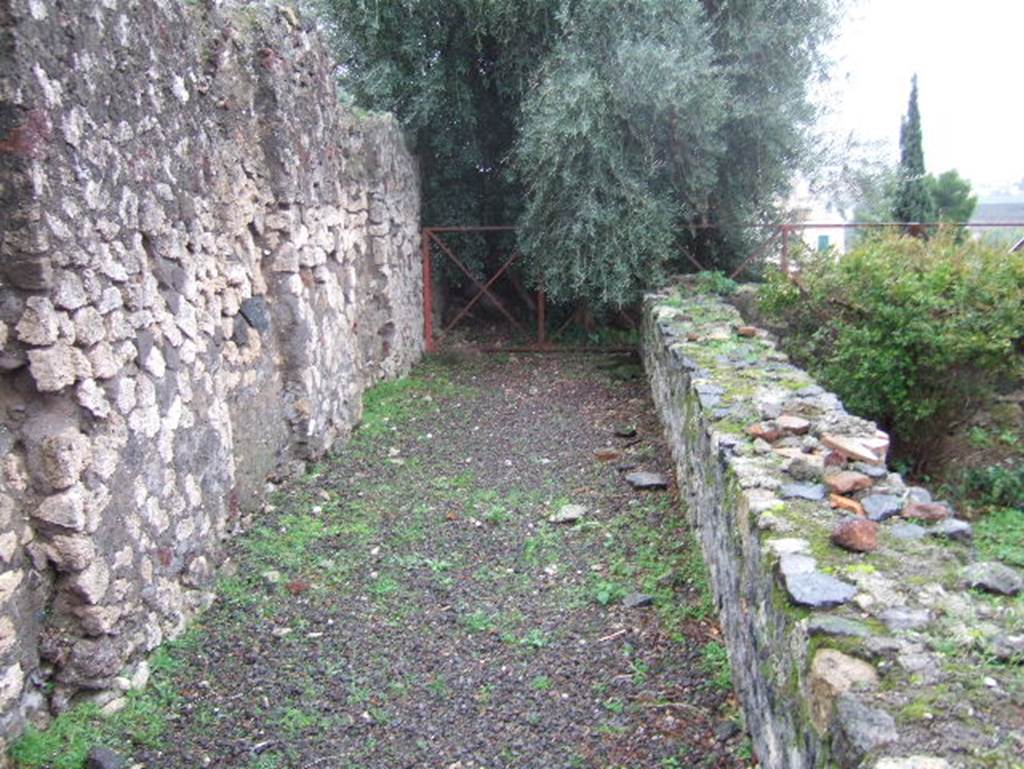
293 721
141 723
542 548
1000 536
391 403
285 545
535 639
653 553
715 662
606 591
613 705
540 683
384 585
478 622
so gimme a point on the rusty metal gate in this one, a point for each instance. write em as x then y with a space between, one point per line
774 250
536 334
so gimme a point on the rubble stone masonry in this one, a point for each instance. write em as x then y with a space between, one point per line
863 630
204 260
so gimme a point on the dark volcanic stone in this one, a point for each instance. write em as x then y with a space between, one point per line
918 494
709 395
993 577
907 532
900 618
871 471
814 492
828 625
858 729
953 528
817 590
796 563
103 758
645 480
1008 648
254 309
726 730
240 334
880 507
637 600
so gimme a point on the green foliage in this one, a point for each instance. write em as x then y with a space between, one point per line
716 282
67 741
535 638
996 485
479 622
913 201
1000 535
540 683
64 745
606 591
285 546
715 661
907 332
952 197
614 705
602 128
453 72
601 146
389 404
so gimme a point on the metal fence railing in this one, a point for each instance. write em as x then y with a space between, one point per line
775 250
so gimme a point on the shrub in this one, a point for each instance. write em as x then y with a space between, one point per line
716 282
906 331
996 485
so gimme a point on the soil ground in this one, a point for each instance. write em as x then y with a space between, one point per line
408 604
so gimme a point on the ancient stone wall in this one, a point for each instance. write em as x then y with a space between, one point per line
204 260
854 638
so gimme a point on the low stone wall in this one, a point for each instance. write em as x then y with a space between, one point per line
205 259
843 593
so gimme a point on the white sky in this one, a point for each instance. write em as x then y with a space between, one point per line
969 59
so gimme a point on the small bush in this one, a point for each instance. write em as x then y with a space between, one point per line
996 485
716 282
908 332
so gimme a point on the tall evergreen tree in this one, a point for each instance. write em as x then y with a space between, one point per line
913 202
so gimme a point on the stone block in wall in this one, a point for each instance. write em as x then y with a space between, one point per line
846 651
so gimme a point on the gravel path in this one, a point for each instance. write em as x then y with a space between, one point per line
408 604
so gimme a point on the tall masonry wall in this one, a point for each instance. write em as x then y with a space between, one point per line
204 261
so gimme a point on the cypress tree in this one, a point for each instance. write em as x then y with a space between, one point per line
913 201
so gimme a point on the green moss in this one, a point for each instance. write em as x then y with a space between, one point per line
924 704
732 426
849 645
785 608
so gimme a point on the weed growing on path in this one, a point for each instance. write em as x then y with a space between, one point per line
715 660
